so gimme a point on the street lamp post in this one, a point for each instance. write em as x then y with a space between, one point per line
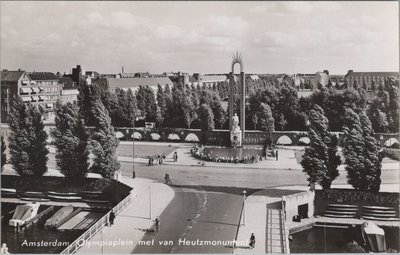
150 200
244 207
133 147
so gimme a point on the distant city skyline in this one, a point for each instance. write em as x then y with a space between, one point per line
273 37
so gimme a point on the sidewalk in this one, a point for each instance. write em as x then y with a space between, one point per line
255 222
131 224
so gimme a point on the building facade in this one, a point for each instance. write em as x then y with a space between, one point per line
69 92
12 83
41 89
368 80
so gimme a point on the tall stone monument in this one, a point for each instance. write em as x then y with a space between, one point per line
236 139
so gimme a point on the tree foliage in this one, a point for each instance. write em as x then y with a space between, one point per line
71 140
27 141
3 153
104 143
206 117
361 150
320 160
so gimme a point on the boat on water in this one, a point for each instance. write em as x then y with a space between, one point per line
24 213
373 237
57 218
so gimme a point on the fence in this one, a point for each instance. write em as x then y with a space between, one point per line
73 247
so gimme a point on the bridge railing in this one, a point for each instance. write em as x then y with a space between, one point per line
80 241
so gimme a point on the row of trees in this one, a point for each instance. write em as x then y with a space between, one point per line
73 141
269 106
360 149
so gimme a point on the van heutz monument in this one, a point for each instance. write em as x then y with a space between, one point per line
236 133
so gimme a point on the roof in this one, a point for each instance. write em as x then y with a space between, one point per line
136 82
372 74
11 75
322 74
213 78
36 76
67 82
127 75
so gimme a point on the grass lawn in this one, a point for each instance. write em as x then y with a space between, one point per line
142 151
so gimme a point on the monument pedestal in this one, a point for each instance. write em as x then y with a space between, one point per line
236 138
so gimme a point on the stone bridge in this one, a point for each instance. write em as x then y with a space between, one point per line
221 137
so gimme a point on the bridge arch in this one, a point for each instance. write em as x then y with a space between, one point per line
191 137
119 135
173 137
137 135
155 136
304 140
284 140
390 142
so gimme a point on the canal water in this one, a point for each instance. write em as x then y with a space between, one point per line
30 239
333 240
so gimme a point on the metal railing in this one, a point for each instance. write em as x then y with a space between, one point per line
73 247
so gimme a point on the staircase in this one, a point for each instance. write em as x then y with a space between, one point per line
276 234
341 211
379 213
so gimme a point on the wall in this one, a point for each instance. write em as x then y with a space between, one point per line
291 203
354 197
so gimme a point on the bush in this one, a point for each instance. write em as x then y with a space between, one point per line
391 153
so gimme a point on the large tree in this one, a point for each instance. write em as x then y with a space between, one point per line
3 153
320 160
265 119
104 143
146 102
372 157
206 117
27 141
354 152
88 94
71 140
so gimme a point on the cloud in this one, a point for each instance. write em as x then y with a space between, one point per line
223 25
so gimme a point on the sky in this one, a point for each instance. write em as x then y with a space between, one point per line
200 37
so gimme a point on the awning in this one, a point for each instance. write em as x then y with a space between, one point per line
33 82
25 90
25 82
26 99
42 98
35 90
49 105
35 98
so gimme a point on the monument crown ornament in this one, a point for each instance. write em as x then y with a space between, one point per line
237 134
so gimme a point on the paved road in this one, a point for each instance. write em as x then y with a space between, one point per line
208 201
195 214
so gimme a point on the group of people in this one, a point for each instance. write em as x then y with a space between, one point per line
197 151
156 160
272 152
252 159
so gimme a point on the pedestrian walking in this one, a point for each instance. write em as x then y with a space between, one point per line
277 155
252 241
133 174
157 224
176 156
112 218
